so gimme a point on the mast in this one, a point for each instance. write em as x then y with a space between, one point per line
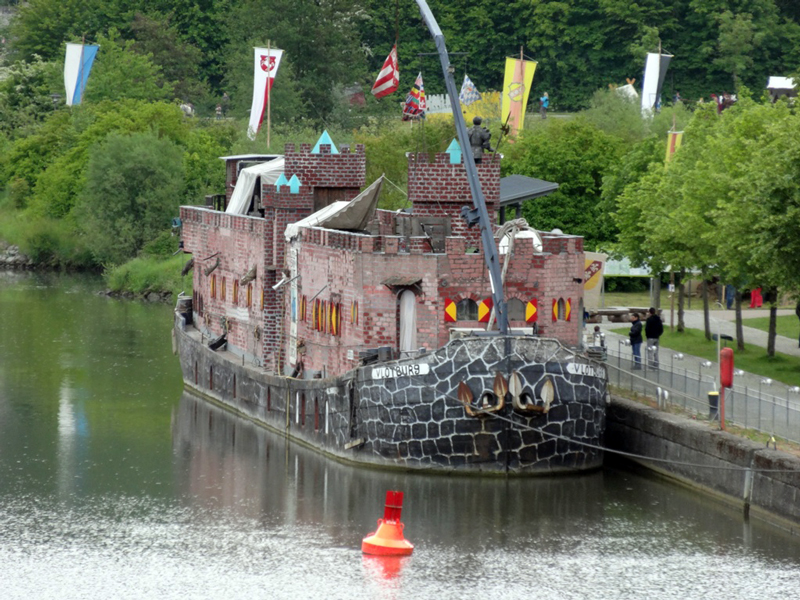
479 202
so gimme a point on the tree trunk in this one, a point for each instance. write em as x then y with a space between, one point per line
772 298
737 304
681 300
706 315
655 300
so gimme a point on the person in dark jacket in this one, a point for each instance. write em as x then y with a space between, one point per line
635 336
797 312
653 328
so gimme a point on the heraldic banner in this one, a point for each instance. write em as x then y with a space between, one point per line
266 65
594 263
516 89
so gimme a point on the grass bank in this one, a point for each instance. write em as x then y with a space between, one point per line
786 325
150 274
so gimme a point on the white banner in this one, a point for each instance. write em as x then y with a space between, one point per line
265 67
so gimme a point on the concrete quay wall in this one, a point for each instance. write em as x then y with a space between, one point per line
725 465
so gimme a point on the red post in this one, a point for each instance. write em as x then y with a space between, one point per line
725 380
394 506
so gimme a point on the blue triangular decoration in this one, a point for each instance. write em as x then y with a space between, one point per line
294 185
325 139
281 181
454 150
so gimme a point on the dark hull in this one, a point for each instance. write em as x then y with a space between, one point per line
407 414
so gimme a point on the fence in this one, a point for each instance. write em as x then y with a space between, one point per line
748 403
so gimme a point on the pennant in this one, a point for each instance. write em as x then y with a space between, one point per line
449 311
265 67
674 140
389 78
532 311
555 310
484 310
516 88
77 65
568 310
415 101
469 93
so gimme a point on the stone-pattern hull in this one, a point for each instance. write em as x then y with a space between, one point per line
407 414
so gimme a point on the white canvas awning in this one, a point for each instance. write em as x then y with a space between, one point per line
243 192
354 215
780 83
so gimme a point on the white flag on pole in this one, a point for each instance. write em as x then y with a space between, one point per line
265 67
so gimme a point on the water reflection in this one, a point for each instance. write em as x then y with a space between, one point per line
114 485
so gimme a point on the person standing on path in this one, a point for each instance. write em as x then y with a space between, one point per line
797 312
635 336
544 103
653 328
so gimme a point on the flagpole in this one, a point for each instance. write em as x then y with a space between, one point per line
269 93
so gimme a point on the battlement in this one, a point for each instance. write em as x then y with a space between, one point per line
345 169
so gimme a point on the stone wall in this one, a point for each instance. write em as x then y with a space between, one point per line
727 465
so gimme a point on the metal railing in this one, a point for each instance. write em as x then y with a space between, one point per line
748 404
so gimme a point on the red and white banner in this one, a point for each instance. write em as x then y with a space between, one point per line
389 78
264 70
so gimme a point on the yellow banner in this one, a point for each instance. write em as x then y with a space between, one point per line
516 89
594 262
674 139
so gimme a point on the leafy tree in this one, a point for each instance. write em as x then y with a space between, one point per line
577 156
133 184
180 61
119 72
26 95
60 170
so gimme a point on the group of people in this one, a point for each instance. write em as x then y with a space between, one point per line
653 329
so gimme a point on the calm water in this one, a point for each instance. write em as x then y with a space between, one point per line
114 484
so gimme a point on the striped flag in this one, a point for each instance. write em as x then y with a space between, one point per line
469 93
389 77
265 68
674 139
415 101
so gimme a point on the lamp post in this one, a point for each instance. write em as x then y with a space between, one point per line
766 381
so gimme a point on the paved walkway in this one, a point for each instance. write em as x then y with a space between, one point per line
725 322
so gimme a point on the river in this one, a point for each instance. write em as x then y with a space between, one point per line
114 483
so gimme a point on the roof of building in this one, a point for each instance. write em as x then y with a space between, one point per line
515 189
263 157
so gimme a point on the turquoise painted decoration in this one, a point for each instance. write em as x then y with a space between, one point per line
454 150
281 181
325 139
294 185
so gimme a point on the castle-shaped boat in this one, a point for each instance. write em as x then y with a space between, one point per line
366 333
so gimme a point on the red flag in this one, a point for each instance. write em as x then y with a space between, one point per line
389 77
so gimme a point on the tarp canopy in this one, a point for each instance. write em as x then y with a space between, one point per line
780 83
354 215
243 192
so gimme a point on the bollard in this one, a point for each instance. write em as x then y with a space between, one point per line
713 405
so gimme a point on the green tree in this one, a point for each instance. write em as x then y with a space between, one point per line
133 184
179 61
577 156
120 72
27 91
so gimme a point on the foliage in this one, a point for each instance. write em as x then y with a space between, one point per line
133 184
26 95
123 73
577 155
149 274
54 159
160 40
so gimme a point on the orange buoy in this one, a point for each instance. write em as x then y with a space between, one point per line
388 539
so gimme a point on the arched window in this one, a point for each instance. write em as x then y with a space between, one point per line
466 310
236 292
213 287
222 293
516 309
562 310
